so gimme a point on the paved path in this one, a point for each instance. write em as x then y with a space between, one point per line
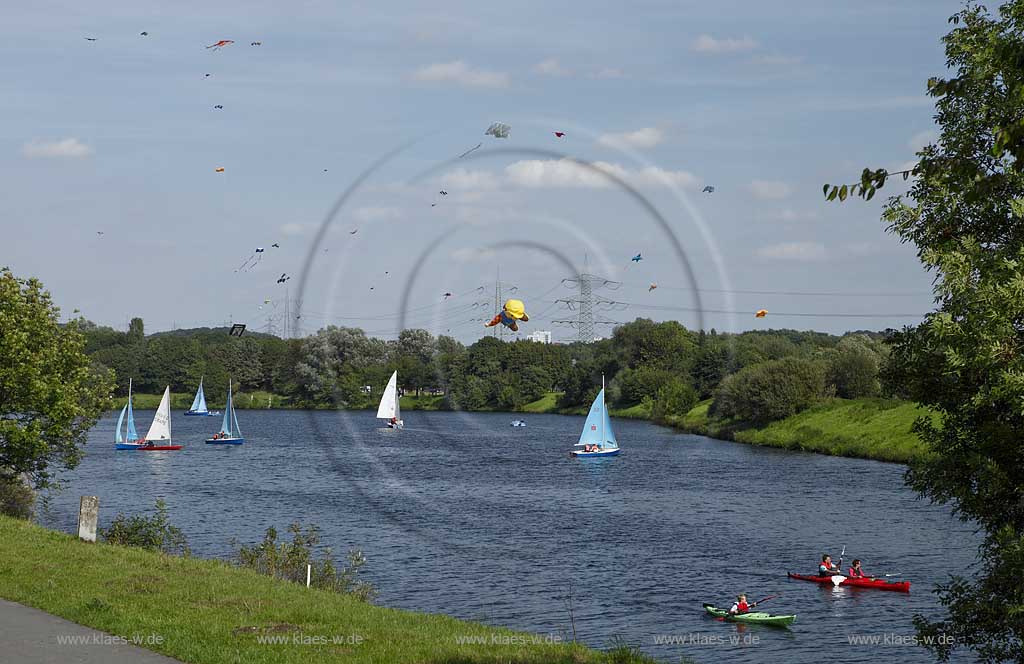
31 636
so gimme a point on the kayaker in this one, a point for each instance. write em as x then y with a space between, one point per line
855 569
740 605
826 568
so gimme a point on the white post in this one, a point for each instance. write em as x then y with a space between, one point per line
309 572
88 515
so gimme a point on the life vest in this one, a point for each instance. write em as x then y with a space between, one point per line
739 607
824 570
856 572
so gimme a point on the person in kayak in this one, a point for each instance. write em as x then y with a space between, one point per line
826 568
855 570
740 605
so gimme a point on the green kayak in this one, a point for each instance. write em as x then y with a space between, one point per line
757 617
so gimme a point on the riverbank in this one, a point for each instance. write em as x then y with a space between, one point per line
878 429
211 612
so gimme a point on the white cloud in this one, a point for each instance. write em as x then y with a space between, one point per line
770 189
919 140
464 179
609 72
777 60
794 251
70 148
565 173
373 213
551 67
647 137
462 74
714 46
473 255
789 214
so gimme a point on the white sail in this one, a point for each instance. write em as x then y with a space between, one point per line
161 427
389 401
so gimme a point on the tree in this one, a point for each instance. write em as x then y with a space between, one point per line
771 390
50 393
136 330
965 361
854 366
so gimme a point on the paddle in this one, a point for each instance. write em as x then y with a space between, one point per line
839 578
764 599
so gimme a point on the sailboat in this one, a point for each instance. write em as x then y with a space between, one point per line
159 436
597 438
130 440
198 408
230 433
389 408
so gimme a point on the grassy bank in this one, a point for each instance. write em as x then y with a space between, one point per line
866 428
183 401
208 611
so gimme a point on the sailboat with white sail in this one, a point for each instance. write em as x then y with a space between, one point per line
597 439
230 433
389 408
130 440
159 435
198 408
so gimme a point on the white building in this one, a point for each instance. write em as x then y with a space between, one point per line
540 336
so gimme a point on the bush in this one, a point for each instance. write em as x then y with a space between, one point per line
635 384
16 497
288 561
771 390
676 398
147 532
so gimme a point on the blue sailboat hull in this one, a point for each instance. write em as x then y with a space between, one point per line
595 455
126 446
204 413
225 441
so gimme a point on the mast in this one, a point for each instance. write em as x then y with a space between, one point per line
603 414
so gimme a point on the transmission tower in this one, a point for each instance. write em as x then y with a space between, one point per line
585 284
500 288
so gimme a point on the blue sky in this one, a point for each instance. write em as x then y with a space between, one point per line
765 101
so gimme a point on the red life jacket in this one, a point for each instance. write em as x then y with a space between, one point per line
741 607
856 572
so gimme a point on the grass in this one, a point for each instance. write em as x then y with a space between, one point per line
422 402
546 404
208 611
866 428
183 400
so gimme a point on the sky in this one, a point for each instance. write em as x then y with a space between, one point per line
342 126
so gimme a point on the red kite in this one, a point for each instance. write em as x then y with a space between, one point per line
559 134
222 42
761 313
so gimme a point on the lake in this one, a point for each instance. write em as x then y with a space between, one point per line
462 514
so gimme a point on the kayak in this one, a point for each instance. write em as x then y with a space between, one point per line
858 582
757 617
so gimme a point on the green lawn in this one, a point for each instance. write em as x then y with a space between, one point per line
422 402
867 428
183 401
210 612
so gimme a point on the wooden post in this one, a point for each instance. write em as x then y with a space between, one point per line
88 515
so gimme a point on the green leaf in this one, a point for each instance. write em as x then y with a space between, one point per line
842 193
824 190
871 194
832 194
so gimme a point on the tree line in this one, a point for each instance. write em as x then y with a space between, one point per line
753 376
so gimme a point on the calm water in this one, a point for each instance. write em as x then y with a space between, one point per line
463 514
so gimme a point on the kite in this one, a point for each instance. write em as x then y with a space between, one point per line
219 169
90 39
207 75
651 287
325 170
100 233
218 106
237 330
144 34
353 232
220 44
498 130
276 245
511 313
761 313
251 261
559 134
475 147
283 278
637 258
447 295
256 44
709 189
266 301
441 193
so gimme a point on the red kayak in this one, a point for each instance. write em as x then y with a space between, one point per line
859 582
